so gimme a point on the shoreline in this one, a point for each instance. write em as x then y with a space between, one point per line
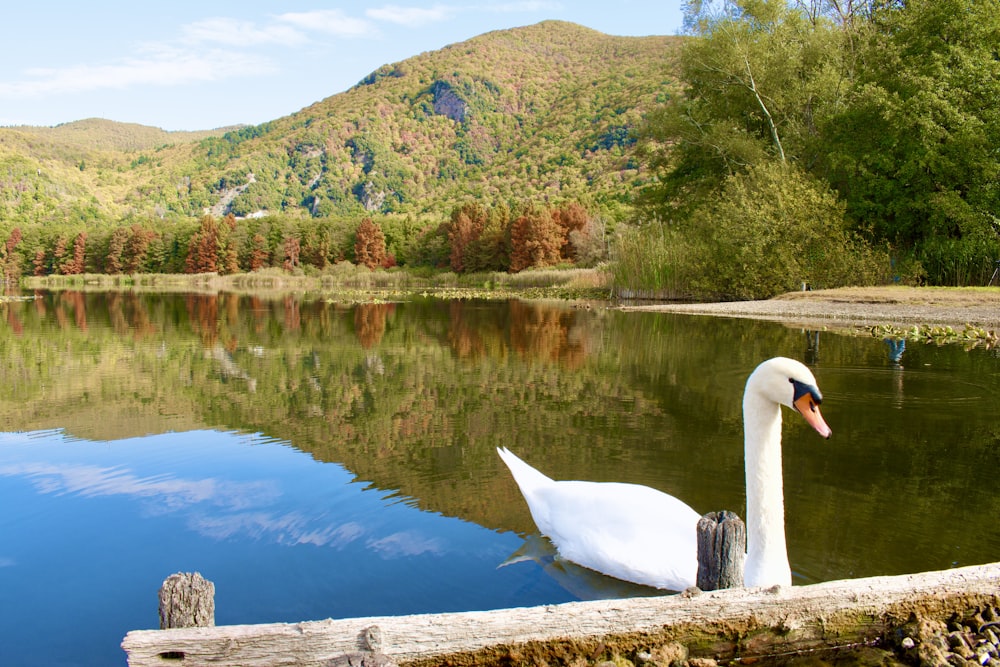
847 308
858 307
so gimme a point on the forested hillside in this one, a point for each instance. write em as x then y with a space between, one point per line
545 112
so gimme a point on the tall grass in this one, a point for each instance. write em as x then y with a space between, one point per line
650 263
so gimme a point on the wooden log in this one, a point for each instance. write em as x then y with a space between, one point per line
722 548
736 622
187 600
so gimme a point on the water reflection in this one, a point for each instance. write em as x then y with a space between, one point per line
413 398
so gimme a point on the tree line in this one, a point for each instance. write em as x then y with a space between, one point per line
475 238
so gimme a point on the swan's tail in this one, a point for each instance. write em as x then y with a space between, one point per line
527 478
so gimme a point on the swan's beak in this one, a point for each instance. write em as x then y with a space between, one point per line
809 409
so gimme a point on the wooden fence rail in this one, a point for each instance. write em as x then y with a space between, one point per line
719 624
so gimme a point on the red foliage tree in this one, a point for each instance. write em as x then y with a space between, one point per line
369 244
113 258
59 254
293 249
570 218
136 248
203 249
466 225
76 263
13 240
536 240
10 265
39 263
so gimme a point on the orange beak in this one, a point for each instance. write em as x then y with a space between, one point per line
808 408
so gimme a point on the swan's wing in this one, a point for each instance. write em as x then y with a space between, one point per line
628 531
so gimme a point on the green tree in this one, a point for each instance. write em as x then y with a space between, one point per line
759 80
914 154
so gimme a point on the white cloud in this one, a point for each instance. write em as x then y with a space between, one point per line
330 21
411 16
165 67
236 32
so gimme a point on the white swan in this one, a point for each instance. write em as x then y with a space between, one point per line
642 535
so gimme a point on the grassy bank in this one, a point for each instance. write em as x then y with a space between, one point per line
349 279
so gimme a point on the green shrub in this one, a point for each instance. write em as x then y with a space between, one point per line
770 230
774 229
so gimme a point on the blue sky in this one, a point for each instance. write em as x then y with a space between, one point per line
190 65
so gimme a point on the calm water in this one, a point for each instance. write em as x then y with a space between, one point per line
323 460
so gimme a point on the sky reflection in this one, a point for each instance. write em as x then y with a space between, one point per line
283 536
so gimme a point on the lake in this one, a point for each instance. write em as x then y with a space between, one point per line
318 459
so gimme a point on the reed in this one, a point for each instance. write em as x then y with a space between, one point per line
650 263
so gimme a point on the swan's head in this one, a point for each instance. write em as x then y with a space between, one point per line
790 383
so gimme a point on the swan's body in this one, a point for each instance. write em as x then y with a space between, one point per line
642 535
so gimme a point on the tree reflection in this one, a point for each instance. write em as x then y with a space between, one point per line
369 322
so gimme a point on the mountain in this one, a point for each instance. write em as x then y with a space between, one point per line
101 134
544 112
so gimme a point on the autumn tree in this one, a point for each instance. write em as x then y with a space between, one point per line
466 225
76 263
571 218
292 249
10 264
536 240
59 254
369 245
137 248
203 249
40 264
478 238
113 261
259 252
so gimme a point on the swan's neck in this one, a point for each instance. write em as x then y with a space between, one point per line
767 556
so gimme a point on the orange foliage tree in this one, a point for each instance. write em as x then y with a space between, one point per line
39 262
536 240
10 265
203 249
113 261
570 218
137 247
369 244
467 224
76 263
292 248
259 252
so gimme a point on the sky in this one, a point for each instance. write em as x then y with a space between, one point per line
196 65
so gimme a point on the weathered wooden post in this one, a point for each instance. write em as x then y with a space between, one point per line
722 548
187 600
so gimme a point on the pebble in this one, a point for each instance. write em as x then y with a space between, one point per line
965 642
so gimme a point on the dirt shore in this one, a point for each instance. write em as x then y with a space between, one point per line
853 307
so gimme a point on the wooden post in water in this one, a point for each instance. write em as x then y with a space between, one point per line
187 600
722 548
